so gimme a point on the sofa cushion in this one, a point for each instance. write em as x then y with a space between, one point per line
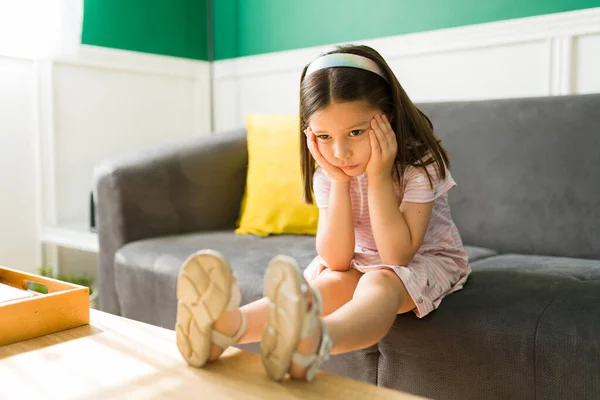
527 172
574 268
523 327
146 270
477 253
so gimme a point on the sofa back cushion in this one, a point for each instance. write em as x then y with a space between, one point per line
528 172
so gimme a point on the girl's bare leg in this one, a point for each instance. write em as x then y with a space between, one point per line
336 288
364 320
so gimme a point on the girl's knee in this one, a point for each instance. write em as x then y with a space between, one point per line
342 279
390 286
383 278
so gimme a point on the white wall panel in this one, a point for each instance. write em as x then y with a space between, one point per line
18 179
587 64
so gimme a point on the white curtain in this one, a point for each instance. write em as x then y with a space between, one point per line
40 28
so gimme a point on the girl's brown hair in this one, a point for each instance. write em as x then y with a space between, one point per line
414 131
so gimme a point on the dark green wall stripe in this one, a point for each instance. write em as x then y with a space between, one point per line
167 27
226 28
249 27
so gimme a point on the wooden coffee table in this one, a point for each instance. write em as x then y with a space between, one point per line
118 358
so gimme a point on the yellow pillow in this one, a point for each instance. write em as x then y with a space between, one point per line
272 202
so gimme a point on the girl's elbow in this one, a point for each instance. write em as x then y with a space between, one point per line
335 264
336 260
339 267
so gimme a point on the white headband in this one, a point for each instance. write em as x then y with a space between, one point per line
345 60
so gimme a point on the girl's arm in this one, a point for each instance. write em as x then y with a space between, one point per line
398 231
335 234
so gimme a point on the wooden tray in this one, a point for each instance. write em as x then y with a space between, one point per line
65 306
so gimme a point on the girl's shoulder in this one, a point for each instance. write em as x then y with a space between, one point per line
423 184
321 186
321 178
428 167
412 172
320 173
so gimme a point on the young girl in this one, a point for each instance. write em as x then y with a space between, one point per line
386 241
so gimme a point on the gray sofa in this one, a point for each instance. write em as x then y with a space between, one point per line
527 323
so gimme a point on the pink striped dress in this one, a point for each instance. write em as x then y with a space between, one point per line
440 266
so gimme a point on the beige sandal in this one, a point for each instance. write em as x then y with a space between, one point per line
289 321
206 288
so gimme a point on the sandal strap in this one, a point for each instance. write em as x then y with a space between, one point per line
224 341
323 355
303 360
314 361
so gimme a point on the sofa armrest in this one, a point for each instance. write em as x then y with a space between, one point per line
191 185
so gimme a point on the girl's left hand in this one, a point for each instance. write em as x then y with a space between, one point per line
383 147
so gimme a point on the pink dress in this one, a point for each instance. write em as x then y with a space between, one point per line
440 266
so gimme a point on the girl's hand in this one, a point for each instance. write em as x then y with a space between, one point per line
334 173
383 147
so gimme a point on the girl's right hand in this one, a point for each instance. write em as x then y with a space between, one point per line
334 173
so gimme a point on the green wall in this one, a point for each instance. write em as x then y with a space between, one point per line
249 27
168 27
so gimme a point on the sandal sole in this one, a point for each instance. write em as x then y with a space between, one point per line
203 292
287 307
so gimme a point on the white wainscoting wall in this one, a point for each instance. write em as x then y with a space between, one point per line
556 54
18 169
60 117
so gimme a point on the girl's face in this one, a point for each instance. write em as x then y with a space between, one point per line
342 132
